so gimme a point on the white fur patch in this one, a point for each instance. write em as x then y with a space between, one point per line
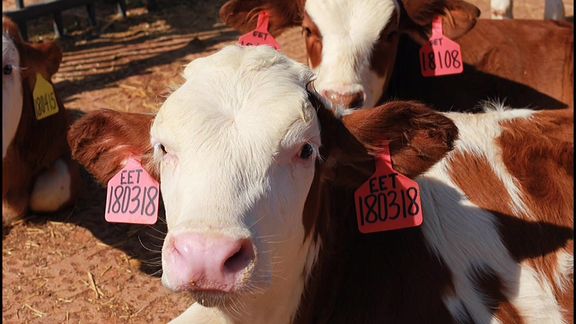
564 271
349 31
465 237
535 299
12 96
52 188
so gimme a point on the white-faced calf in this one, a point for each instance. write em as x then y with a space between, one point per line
38 173
365 52
258 181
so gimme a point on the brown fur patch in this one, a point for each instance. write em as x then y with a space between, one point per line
101 141
503 59
313 39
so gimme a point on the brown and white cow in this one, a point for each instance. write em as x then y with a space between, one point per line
258 183
365 52
38 173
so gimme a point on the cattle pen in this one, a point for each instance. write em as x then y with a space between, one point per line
73 266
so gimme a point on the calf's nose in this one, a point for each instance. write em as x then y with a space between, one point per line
207 261
349 100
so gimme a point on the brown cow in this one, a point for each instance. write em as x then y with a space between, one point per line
366 52
38 173
258 182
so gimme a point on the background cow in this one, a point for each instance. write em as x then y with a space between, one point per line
502 9
36 166
258 181
365 52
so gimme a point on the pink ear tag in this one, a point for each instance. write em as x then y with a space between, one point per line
440 55
260 35
388 200
132 196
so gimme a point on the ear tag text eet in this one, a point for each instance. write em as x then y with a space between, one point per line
260 35
132 196
45 103
388 200
440 55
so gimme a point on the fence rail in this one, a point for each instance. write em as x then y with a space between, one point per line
55 7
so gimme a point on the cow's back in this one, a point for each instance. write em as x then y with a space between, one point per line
526 63
496 242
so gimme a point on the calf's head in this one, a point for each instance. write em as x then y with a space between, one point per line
237 149
21 61
351 44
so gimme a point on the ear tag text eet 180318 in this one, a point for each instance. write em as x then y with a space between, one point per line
260 35
440 55
132 196
388 200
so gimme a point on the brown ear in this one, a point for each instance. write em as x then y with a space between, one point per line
51 54
101 141
458 17
418 136
243 14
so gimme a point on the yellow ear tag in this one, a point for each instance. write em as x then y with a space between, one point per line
45 103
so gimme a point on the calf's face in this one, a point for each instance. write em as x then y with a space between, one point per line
352 45
235 146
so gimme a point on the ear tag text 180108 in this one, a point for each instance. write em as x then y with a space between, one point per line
260 35
132 196
388 200
440 55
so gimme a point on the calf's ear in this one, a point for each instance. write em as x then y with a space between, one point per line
417 136
458 17
242 15
103 140
50 53
46 55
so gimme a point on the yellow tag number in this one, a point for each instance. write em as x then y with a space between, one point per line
45 103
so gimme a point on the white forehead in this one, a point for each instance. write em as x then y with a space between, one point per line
351 20
239 94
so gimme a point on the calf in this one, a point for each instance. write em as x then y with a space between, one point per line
502 9
258 182
38 173
364 52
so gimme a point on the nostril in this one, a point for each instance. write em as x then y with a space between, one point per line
241 258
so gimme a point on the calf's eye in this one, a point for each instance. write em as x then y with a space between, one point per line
7 69
306 152
160 147
306 31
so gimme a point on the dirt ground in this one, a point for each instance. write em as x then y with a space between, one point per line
73 267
